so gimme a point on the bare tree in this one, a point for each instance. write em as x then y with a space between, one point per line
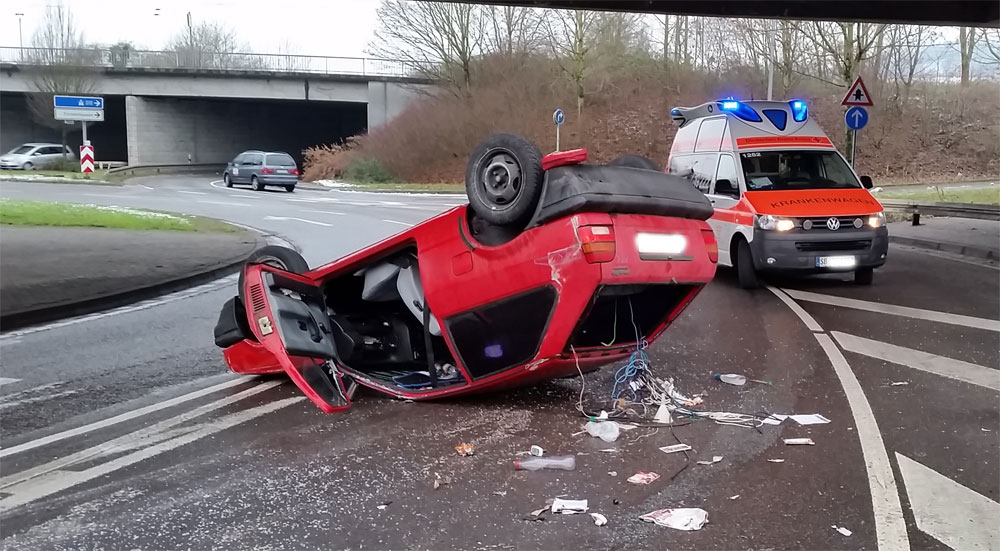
440 39
208 45
967 45
62 66
512 30
908 44
991 42
571 38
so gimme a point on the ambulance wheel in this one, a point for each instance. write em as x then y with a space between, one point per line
503 180
635 161
744 266
864 276
282 258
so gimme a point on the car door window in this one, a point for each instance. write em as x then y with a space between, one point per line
256 159
727 171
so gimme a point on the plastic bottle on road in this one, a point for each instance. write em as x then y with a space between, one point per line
566 463
732 378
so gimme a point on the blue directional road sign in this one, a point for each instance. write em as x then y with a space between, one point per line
79 102
856 118
558 117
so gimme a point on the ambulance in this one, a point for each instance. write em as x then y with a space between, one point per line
784 198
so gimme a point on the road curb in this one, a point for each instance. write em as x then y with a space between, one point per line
19 320
954 248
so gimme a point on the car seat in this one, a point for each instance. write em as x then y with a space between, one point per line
388 280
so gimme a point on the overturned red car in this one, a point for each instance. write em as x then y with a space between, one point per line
555 265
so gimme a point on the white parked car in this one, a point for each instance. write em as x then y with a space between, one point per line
31 156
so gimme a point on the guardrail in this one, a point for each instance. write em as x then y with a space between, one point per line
957 210
169 168
121 58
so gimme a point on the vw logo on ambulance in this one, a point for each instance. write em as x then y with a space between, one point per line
772 176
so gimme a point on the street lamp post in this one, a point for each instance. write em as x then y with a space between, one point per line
20 35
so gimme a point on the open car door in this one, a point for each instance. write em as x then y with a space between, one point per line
287 314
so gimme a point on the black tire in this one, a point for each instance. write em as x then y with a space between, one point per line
635 161
28 166
228 181
290 189
744 266
864 276
503 179
279 257
257 186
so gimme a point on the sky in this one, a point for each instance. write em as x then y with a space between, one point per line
341 28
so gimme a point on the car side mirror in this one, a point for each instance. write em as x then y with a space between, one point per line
726 187
866 182
36 153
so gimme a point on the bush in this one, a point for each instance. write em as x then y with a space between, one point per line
368 171
327 162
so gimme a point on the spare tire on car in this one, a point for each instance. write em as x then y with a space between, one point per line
503 180
283 258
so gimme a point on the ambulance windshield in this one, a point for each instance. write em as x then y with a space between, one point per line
793 170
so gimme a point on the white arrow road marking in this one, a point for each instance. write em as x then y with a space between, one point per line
120 418
948 511
143 437
7 381
905 311
924 361
57 481
298 220
890 527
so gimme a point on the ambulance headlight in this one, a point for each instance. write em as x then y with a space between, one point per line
877 220
768 222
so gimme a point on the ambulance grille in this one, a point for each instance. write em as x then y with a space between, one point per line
858 245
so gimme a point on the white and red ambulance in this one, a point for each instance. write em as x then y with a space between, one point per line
784 198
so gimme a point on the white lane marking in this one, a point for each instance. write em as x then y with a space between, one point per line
324 212
244 196
224 203
924 361
128 415
213 182
58 481
132 440
905 311
192 192
145 186
298 220
7 381
794 306
890 527
400 223
35 399
948 511
145 305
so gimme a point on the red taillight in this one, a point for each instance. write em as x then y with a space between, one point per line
266 170
293 171
597 243
711 245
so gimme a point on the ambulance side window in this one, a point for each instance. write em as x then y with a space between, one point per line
698 168
727 171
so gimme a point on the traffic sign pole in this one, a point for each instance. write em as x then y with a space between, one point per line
854 146
85 142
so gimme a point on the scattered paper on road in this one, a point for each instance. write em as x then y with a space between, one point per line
774 419
776 460
843 531
799 442
715 459
737 496
599 519
810 419
899 383
678 519
675 448
643 478
569 506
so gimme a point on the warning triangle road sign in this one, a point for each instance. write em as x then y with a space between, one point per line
857 95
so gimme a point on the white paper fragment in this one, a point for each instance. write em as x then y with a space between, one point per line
774 419
715 459
810 419
612 473
899 383
569 506
599 519
776 460
799 442
678 519
675 448
737 496
843 531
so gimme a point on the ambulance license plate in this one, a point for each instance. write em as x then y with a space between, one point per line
835 261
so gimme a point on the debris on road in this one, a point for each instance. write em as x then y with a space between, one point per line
465 450
737 496
439 481
612 473
776 460
566 463
810 419
675 448
609 450
599 519
799 442
569 506
605 430
985 430
768 383
643 478
899 383
536 451
731 378
678 519
715 459
382 506
774 419
843 531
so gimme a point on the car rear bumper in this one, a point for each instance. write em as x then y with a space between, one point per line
278 180
799 251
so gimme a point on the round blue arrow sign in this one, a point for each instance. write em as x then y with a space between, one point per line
856 118
558 116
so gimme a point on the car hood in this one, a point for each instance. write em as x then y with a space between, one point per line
10 158
815 202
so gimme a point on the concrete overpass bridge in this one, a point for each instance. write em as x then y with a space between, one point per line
165 107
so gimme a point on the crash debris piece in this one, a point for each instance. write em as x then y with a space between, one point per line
715 459
599 519
612 473
737 496
731 378
843 531
899 383
569 506
799 442
774 419
810 419
465 450
675 448
776 460
643 478
605 430
678 519
536 451
609 450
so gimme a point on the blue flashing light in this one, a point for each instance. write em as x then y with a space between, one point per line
799 110
730 105
674 111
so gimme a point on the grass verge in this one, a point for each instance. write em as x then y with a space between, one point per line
62 176
38 213
981 196
401 187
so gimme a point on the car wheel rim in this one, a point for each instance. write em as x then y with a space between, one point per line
500 178
273 262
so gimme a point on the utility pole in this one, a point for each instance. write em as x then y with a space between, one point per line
771 57
20 35
191 38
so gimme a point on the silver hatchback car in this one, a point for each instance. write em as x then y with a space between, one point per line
261 169
35 155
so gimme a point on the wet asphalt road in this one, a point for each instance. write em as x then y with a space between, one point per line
90 459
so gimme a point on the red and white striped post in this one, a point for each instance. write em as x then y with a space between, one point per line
86 158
